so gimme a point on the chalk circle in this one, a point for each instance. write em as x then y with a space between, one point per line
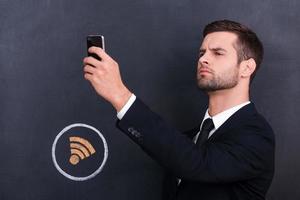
74 178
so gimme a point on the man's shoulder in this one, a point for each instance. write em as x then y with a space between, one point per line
254 119
246 121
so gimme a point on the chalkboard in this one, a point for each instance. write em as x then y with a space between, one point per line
48 110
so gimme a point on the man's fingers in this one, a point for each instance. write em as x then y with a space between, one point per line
91 61
89 69
100 52
88 77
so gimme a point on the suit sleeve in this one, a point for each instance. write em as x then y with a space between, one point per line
227 160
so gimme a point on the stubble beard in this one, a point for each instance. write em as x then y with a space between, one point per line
217 82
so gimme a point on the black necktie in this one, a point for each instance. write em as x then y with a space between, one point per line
207 126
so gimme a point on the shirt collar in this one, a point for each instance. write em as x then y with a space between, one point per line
220 118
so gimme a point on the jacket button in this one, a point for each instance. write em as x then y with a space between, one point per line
137 134
130 129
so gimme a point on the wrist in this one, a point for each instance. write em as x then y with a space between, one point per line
121 99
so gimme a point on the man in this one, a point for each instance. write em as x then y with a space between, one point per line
231 154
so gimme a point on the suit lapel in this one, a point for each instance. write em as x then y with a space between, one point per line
236 119
193 132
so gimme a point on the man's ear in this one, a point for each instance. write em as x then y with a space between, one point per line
247 67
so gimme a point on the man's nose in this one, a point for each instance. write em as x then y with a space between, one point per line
203 59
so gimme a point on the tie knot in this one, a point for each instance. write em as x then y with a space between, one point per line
208 125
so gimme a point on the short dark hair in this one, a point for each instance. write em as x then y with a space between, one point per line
247 46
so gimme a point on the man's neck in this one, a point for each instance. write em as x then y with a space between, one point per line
222 100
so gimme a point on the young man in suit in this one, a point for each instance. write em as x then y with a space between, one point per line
231 154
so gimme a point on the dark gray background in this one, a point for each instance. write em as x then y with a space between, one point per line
42 44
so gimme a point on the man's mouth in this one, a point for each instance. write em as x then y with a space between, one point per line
203 71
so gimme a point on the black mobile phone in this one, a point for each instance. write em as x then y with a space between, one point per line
97 41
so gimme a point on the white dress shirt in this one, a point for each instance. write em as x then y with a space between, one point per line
126 107
220 118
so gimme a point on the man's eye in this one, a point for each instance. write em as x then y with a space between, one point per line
201 54
218 53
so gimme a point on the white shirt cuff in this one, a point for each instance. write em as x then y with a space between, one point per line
126 107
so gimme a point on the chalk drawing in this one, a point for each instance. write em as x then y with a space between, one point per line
74 178
80 149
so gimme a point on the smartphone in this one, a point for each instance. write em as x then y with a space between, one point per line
97 41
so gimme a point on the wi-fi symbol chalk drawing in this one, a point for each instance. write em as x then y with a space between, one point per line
85 145
80 149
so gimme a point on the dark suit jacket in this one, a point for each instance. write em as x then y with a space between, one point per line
236 162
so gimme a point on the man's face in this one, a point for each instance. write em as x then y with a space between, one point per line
218 66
